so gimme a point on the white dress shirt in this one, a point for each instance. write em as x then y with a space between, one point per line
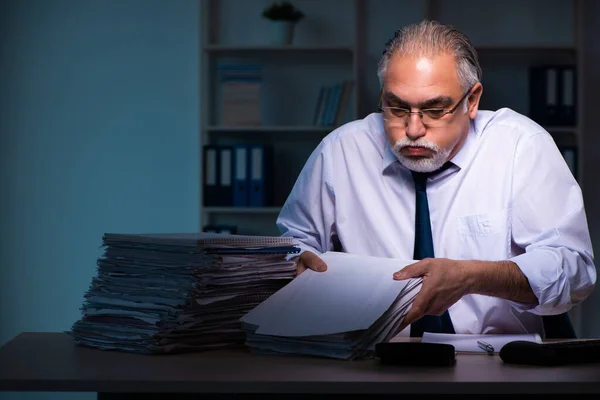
509 196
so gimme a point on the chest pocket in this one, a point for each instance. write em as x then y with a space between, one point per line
484 236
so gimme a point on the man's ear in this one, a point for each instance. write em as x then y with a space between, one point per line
473 100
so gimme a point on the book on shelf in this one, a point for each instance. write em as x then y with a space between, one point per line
332 101
240 91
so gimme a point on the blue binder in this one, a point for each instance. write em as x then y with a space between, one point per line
241 163
260 176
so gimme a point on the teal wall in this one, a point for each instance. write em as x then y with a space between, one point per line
99 132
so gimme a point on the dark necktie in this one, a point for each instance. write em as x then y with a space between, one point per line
555 326
424 249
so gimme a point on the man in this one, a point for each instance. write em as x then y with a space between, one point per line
507 219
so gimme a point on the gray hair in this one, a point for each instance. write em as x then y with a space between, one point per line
430 38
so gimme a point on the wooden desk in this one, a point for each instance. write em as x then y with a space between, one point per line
52 362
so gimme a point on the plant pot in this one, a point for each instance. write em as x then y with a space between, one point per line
282 33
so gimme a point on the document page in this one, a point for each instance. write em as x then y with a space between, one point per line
468 342
351 295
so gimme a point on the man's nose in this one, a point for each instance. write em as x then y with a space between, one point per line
415 127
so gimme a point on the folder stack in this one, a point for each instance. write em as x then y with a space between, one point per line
553 95
341 313
238 175
170 293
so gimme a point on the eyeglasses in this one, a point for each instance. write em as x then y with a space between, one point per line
429 116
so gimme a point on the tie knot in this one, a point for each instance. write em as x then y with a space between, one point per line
420 178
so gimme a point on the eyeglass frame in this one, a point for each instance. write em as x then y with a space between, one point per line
420 112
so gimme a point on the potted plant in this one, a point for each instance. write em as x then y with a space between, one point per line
283 17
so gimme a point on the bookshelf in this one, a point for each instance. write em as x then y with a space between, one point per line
234 31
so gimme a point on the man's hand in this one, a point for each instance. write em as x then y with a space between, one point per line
444 283
311 261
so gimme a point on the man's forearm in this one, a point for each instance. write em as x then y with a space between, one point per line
501 279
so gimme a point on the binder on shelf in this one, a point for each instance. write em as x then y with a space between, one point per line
566 109
241 175
553 94
261 171
210 187
544 94
225 186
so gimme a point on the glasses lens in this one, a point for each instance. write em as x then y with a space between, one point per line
399 117
434 113
398 112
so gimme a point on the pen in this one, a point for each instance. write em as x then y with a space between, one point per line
486 346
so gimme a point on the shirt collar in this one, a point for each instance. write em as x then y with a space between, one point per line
388 158
464 155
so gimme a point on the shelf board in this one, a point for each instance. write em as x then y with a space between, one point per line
561 129
274 128
242 210
276 49
525 48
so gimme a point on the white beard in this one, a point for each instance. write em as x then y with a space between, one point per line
421 164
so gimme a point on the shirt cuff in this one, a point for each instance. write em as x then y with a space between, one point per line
543 270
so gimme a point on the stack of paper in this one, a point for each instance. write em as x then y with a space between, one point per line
340 313
179 292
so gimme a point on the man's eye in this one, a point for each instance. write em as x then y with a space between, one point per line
399 112
434 112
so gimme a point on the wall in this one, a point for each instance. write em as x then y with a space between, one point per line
99 133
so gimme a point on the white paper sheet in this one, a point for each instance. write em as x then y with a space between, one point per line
468 342
351 295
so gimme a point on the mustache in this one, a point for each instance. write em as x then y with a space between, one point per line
425 144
